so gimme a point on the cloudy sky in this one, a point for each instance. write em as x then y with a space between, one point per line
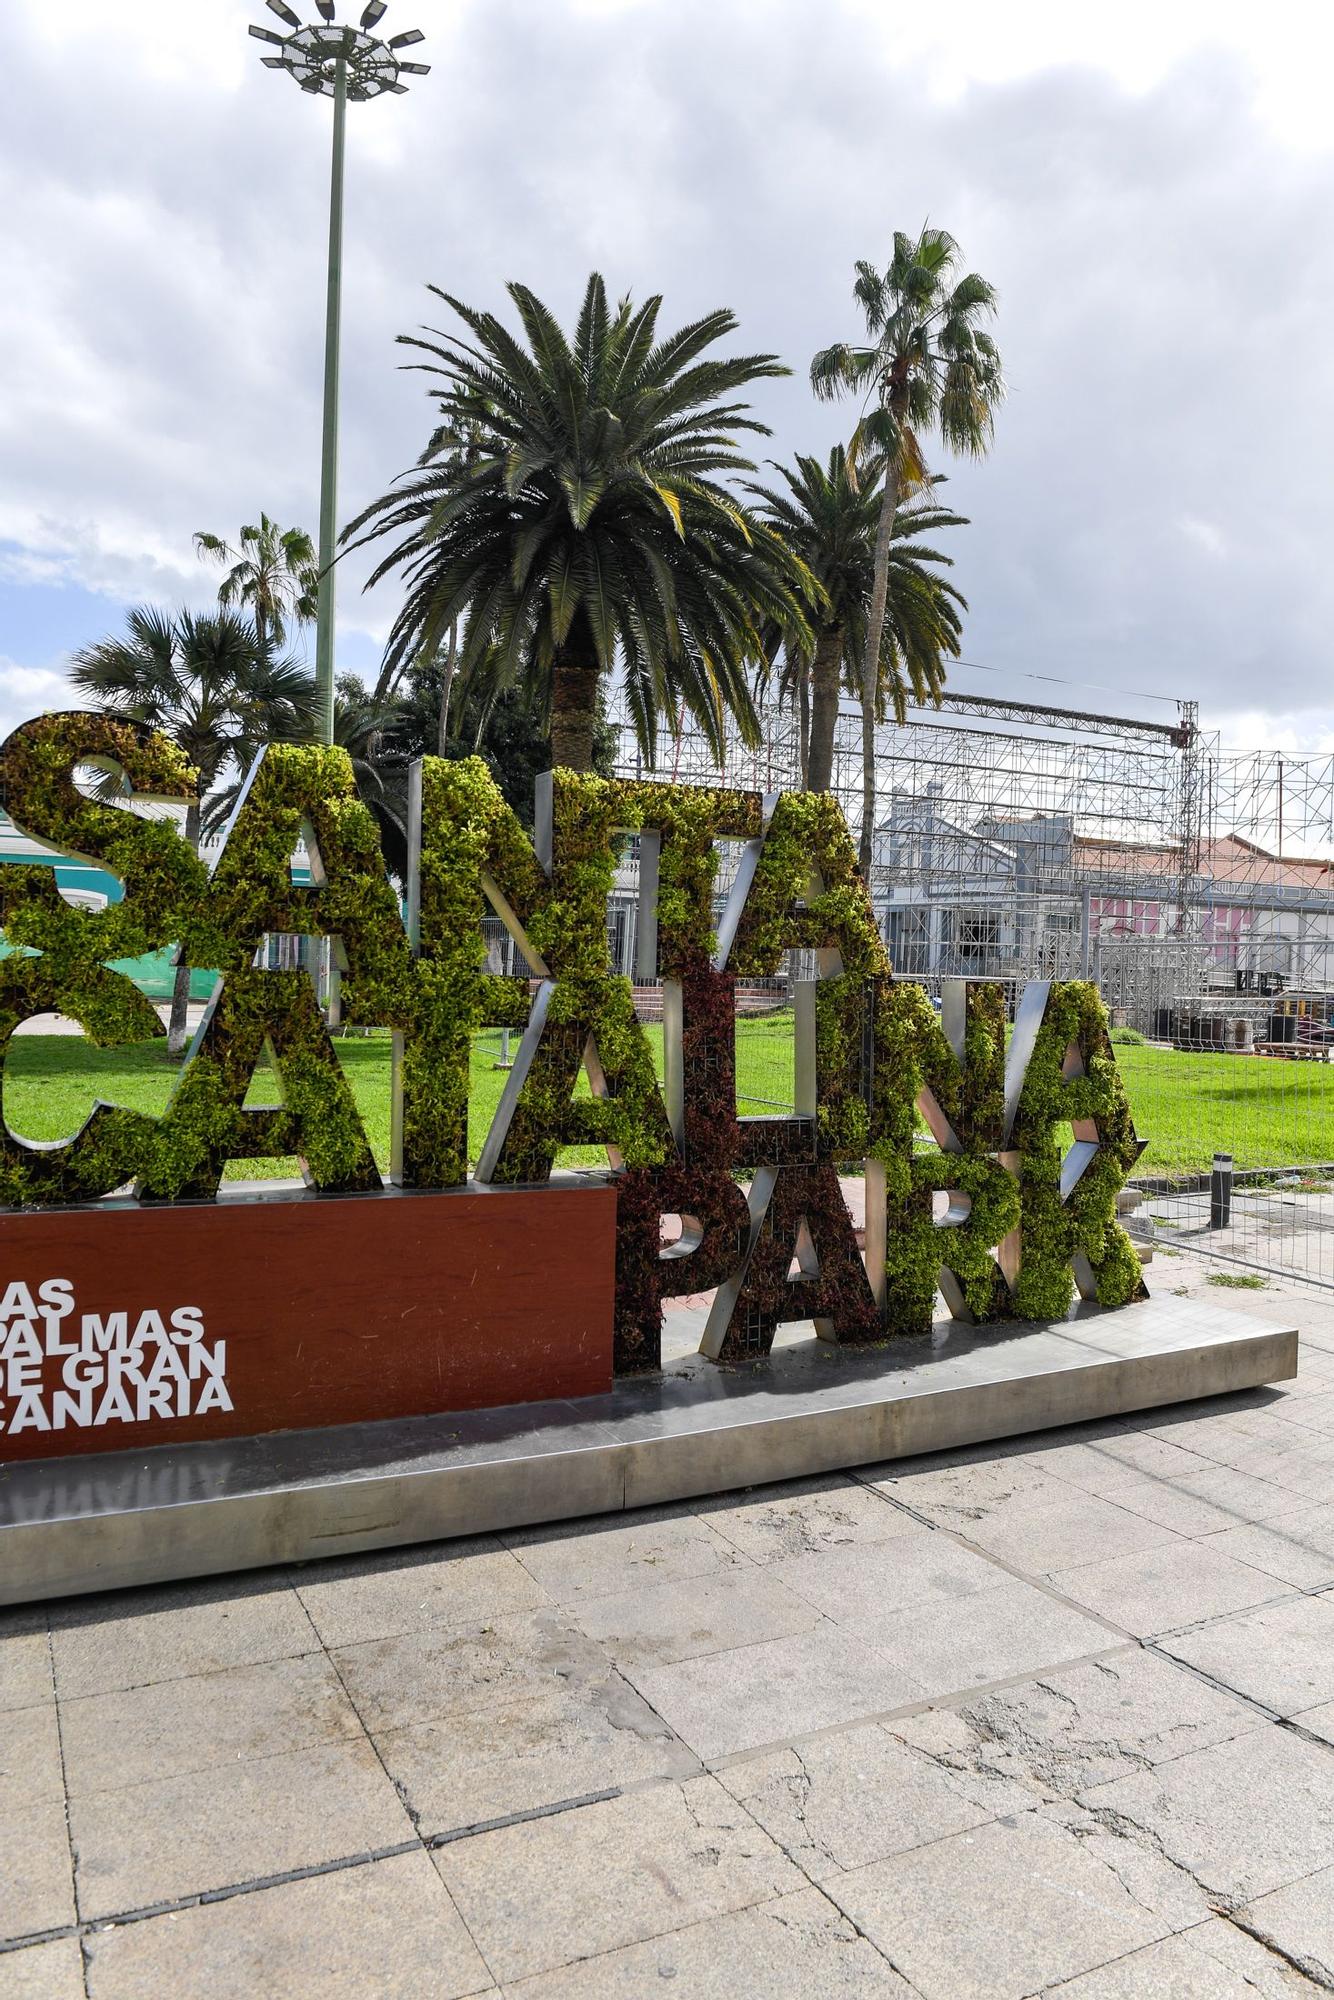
1149 185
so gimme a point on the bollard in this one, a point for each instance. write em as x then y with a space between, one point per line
1220 1191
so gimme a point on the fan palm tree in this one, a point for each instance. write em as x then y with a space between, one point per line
830 516
272 573
215 689
926 366
592 529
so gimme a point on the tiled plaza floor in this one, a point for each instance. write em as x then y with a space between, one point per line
1052 1717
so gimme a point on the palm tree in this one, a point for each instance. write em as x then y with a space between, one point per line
273 573
215 689
830 517
592 528
926 366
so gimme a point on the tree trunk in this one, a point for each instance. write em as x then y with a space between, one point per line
575 709
804 724
451 660
824 707
875 630
180 992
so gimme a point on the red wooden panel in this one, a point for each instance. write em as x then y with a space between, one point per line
314 1311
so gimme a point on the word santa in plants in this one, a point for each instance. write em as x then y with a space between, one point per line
1027 1220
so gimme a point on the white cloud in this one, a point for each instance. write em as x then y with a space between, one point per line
26 691
1131 178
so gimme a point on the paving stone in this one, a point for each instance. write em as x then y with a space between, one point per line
539 1895
420 1676
1296 1549
701 1614
36 1879
949 1741
995 1913
25 1660
1299 1921
1268 1976
388 1928
839 1801
522 1756
1281 1655
374 1597
1054 1532
600 1557
1238 1493
152 1843
1170 1970
1307 1475
802 1519
1165 1589
139 1735
950 1646
127 1638
866 1588
798 1947
1245 1816
1085 1725
1103 1463
955 1496
43 1972
1161 1886
770 1692
1319 1721
1160 1500
30 1768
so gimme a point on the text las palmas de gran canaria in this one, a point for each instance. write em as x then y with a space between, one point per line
921 1104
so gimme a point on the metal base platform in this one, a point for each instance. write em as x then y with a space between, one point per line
96 1523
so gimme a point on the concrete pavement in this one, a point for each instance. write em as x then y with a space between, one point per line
1051 1717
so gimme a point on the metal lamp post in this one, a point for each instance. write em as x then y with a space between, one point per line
349 65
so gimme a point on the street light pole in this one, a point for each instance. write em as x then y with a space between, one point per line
333 324
348 65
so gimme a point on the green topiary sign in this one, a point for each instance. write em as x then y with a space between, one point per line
924 1105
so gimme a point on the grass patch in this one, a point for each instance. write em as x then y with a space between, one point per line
1265 1113
52 1083
1268 1114
1238 1281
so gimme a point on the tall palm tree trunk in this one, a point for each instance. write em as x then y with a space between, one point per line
824 707
804 724
574 698
180 992
573 712
875 631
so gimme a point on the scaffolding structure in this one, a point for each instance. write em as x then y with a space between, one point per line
1016 840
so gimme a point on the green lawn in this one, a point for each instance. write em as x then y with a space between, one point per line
1266 1113
52 1082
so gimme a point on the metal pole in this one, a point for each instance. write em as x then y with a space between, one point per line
1220 1191
324 628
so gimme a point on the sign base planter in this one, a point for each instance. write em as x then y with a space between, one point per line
125 1327
107 1521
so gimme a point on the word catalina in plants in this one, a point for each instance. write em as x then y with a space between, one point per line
1024 1147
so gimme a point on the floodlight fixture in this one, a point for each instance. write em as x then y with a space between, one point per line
348 65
